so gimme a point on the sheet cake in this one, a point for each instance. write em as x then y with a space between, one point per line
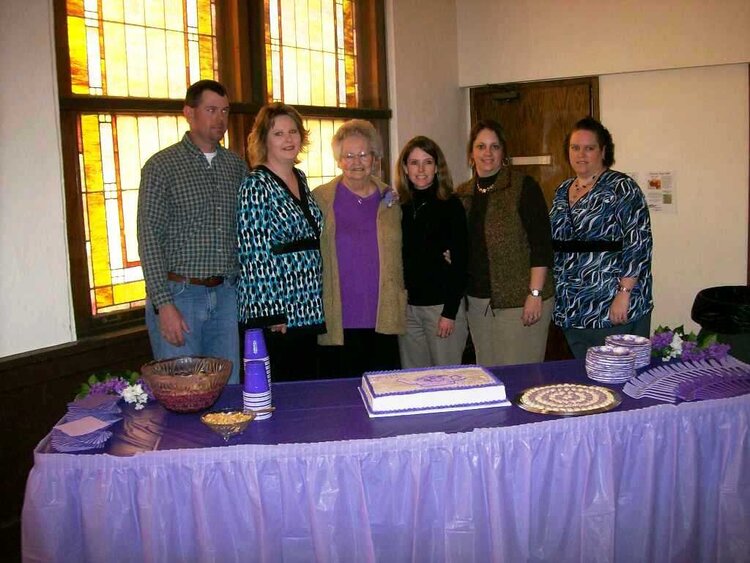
436 389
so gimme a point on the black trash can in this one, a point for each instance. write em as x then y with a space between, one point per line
725 310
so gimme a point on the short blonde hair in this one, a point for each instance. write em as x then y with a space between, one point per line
361 128
257 152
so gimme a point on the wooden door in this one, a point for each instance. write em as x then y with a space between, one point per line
536 116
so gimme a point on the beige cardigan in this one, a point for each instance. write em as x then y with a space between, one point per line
391 316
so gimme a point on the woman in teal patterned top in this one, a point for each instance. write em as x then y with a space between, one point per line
279 227
601 234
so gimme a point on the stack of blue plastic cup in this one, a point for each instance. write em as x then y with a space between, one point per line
256 351
256 394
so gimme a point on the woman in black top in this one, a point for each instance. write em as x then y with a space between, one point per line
508 291
435 254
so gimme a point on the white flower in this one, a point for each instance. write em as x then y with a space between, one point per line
676 345
135 394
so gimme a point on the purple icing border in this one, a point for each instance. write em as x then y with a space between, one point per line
395 393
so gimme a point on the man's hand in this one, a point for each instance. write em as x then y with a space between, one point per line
172 326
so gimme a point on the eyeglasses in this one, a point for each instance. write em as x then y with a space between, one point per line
351 156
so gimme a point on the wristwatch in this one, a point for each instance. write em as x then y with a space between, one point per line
535 292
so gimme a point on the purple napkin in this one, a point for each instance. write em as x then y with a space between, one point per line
85 425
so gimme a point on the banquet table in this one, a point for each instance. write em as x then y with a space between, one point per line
321 481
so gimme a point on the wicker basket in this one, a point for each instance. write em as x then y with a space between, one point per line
187 384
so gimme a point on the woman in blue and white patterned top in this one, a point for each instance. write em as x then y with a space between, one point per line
601 234
279 226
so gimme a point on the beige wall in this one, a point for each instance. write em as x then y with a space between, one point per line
35 301
521 40
693 122
423 78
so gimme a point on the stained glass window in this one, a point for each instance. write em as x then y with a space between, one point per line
130 63
140 48
318 163
124 49
311 52
112 148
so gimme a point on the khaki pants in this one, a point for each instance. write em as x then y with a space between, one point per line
422 347
500 338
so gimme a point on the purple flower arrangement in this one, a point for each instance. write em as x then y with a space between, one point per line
128 385
669 344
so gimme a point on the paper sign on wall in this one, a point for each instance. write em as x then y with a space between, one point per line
660 192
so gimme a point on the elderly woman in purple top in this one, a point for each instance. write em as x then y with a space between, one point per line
363 284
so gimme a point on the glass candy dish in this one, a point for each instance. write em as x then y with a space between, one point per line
228 422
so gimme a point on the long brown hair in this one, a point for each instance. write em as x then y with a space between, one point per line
442 174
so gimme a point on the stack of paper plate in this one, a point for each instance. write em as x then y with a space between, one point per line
640 345
610 364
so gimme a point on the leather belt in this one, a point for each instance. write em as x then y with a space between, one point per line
213 281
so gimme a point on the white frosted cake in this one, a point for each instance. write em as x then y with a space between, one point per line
425 390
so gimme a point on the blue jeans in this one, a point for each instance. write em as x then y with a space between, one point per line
211 314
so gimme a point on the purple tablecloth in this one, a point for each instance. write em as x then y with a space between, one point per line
321 481
330 410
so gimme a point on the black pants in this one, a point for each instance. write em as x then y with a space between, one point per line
363 350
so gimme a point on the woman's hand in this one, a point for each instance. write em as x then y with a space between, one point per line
391 196
618 310
445 327
279 328
532 310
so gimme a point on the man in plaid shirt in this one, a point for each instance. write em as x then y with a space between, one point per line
187 235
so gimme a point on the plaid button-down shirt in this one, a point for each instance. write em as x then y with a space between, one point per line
187 215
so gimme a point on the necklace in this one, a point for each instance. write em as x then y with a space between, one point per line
493 178
488 189
579 187
418 207
360 198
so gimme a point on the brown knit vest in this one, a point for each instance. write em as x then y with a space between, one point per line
507 243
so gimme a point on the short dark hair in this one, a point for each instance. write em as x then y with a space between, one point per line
442 174
603 137
480 126
195 91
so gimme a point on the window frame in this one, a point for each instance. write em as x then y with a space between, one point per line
241 53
